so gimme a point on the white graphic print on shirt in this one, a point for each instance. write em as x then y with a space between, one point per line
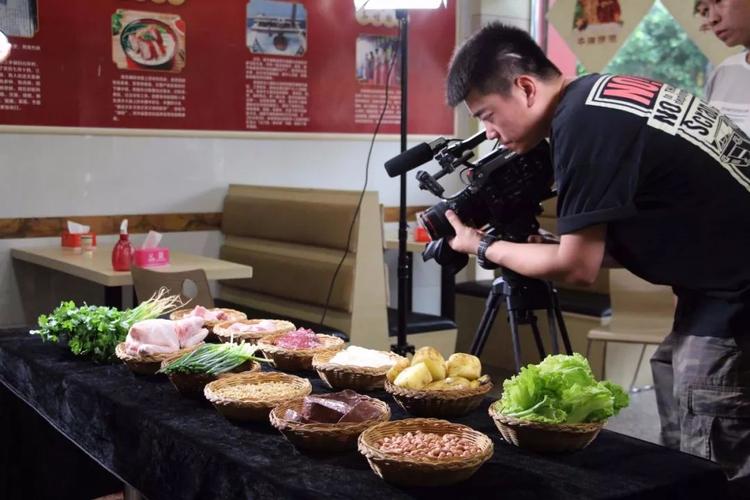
677 112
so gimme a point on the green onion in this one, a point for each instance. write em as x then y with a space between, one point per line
213 359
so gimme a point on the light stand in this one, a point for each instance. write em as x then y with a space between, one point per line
401 346
402 7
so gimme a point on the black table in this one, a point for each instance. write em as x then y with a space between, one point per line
170 447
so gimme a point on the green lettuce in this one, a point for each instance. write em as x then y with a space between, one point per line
560 389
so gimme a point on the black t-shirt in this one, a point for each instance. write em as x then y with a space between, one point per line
670 176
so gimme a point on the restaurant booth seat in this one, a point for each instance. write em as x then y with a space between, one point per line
295 240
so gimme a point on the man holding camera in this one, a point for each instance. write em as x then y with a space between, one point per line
659 180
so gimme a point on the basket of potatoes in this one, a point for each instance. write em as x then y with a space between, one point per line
430 386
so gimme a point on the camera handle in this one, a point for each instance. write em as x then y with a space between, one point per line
522 296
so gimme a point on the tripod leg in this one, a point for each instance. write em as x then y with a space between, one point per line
537 335
561 324
553 330
485 324
513 320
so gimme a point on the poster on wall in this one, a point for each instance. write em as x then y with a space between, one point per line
596 29
251 66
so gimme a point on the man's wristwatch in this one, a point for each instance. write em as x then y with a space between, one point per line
484 244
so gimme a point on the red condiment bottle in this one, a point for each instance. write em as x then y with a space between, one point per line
122 253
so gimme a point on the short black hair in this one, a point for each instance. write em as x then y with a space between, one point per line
490 60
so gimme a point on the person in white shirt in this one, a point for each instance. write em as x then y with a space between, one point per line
727 87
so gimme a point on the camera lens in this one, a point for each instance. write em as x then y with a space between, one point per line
434 220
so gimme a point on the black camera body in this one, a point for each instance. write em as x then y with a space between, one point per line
505 191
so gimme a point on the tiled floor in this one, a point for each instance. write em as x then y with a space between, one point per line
640 419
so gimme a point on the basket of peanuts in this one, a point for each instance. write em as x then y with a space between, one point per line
424 451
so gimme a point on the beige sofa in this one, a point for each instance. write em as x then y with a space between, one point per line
295 240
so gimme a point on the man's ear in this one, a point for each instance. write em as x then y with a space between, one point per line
527 85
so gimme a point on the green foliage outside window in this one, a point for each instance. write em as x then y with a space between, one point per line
660 49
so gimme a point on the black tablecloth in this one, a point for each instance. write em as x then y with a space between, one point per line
171 447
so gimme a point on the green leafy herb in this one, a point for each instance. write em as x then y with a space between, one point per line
94 331
560 389
213 359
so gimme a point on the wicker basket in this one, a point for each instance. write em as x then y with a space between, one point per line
297 359
446 403
254 409
232 315
357 378
423 471
222 331
537 436
191 385
147 365
323 437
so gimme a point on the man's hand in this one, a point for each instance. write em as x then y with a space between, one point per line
467 238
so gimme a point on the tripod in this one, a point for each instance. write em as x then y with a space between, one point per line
522 296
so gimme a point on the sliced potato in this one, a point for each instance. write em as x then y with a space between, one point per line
414 377
464 365
433 359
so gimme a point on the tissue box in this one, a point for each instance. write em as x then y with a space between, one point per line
151 257
74 239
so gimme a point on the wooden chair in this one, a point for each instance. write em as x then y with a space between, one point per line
642 313
191 285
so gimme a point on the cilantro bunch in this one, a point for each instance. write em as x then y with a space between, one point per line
94 331
90 331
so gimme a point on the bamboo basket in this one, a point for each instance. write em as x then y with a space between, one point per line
445 403
191 385
423 471
297 359
254 409
225 334
357 378
147 365
546 438
323 437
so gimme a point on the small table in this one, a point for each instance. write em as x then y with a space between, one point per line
97 267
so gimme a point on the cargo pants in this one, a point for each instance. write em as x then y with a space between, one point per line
703 396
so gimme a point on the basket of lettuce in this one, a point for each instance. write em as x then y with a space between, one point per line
556 405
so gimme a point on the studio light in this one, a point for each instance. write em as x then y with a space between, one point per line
401 7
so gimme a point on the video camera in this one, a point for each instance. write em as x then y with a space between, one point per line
504 191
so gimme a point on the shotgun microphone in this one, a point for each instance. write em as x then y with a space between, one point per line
424 152
414 157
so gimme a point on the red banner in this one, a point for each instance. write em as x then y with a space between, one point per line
257 66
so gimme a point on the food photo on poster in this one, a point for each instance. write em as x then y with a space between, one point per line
148 41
